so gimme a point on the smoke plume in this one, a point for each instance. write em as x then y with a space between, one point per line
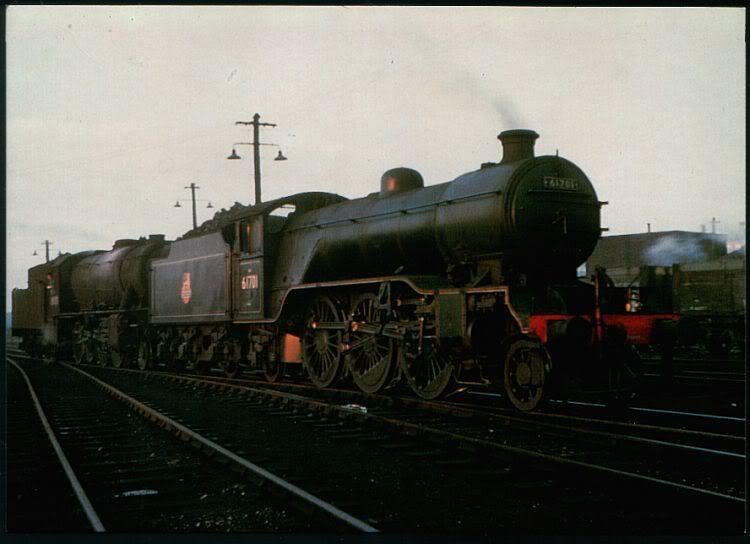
669 250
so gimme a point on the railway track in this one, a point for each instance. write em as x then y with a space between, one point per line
677 429
631 415
718 371
705 376
468 453
685 466
662 420
131 476
647 442
663 415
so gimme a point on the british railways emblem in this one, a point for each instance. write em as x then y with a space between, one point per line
186 292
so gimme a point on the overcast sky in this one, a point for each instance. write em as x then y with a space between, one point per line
111 111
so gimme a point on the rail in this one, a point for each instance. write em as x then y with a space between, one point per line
280 484
465 442
83 499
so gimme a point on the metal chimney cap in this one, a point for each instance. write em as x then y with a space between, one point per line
518 133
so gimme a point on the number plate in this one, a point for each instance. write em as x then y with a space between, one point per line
560 184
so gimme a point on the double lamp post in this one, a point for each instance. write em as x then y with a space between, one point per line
256 124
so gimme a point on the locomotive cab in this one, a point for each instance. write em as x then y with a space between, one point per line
255 238
248 267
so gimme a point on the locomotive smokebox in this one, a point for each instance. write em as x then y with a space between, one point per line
517 144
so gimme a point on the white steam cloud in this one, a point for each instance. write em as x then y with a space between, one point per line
669 250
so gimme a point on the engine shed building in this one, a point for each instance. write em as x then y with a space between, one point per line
702 276
656 249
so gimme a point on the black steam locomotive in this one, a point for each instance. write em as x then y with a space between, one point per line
472 281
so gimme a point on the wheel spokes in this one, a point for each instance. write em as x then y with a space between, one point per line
524 374
429 374
321 357
371 358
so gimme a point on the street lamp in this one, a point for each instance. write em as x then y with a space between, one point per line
46 245
256 124
192 188
234 156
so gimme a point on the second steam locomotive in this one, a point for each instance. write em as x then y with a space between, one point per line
469 282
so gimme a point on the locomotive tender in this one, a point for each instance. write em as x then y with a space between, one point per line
472 281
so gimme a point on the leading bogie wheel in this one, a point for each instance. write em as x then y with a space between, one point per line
525 373
321 341
371 357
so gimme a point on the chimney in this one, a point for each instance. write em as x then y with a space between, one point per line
517 144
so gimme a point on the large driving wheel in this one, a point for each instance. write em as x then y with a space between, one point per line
431 373
371 358
321 355
525 374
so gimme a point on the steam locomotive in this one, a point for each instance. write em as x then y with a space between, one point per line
468 282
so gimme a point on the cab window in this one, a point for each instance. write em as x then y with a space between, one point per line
251 237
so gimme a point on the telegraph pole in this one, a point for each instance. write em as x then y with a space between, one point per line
46 245
713 225
256 150
192 188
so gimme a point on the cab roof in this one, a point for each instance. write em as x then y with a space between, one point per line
303 202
